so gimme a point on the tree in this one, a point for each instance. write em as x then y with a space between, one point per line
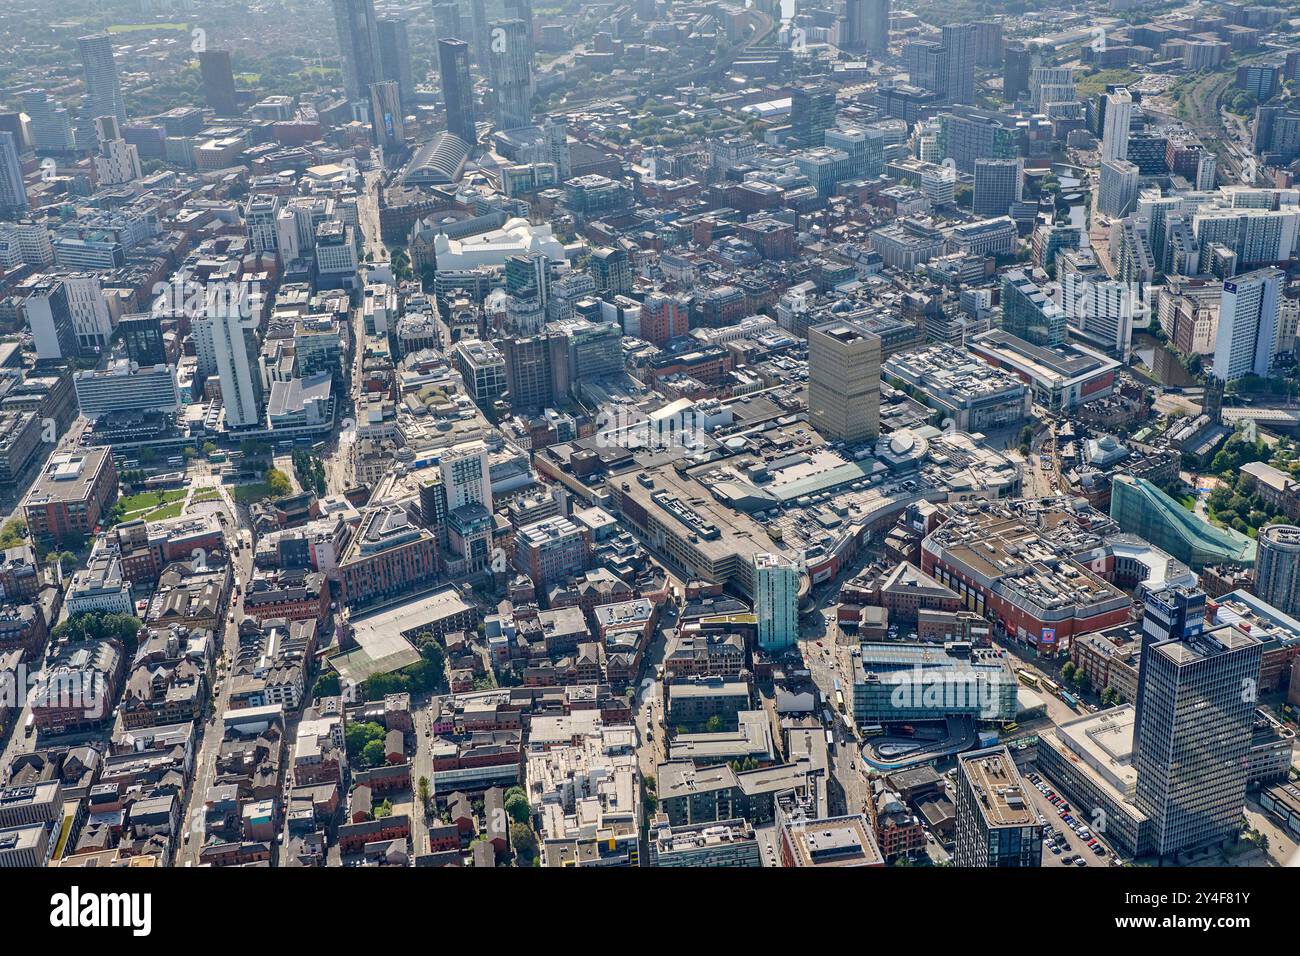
713 724
422 791
100 626
277 482
14 532
385 809
518 808
327 685
359 736
373 753
523 839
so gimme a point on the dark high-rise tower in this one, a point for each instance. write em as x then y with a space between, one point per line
1192 739
1017 66
446 21
457 88
812 112
218 82
142 335
358 36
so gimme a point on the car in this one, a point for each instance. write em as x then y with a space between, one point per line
1080 861
1099 850
1056 850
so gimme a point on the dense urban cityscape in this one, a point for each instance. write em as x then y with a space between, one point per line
479 433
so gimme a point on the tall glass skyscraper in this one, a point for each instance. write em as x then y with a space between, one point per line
359 45
457 88
1198 697
103 96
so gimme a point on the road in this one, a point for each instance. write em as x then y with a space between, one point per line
210 740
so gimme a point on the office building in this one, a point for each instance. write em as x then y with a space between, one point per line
776 601
998 184
510 66
1029 313
358 36
1172 613
126 387
1115 127
1118 192
827 841
1143 509
1249 324
72 495
550 551
13 192
997 826
49 316
218 82
1198 697
1097 308
457 88
612 271
812 112
1277 567
844 382
142 336
725 843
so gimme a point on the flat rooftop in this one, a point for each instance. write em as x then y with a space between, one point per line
998 788
834 841
381 635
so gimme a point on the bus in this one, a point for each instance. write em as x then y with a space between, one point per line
1010 726
1026 678
873 730
1069 698
1051 686
839 700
